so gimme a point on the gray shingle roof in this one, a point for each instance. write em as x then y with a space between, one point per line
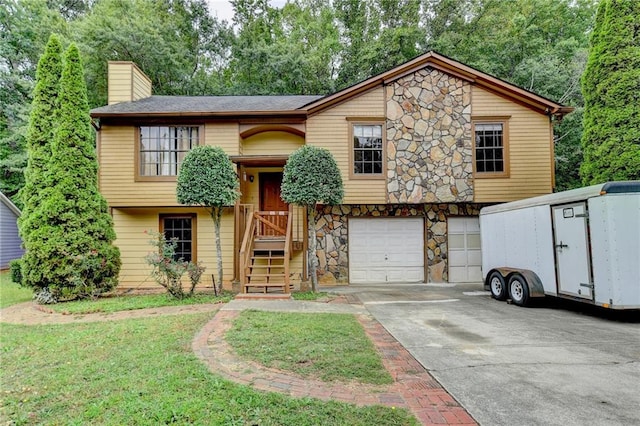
206 104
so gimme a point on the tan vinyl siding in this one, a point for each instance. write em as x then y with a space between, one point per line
117 170
271 143
530 150
119 82
126 82
141 84
224 135
117 166
131 224
330 129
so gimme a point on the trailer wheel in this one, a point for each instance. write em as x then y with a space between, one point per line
497 286
519 290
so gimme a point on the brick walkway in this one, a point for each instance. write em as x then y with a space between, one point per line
413 386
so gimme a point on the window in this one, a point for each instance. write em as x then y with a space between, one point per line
182 229
491 148
367 149
162 148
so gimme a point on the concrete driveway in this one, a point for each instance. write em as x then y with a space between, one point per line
553 364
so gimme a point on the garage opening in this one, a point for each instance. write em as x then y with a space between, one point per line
386 250
465 259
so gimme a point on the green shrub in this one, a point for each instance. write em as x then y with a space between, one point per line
15 268
168 271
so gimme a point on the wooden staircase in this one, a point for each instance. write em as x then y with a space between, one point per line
266 253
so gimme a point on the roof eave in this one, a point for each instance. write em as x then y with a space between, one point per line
198 114
472 75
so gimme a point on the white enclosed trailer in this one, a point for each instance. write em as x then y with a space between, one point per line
582 244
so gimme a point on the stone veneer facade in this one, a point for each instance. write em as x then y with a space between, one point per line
429 149
332 224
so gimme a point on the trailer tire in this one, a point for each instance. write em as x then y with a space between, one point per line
497 286
519 290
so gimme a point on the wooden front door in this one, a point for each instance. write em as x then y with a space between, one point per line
270 201
270 192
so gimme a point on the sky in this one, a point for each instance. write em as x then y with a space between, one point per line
223 10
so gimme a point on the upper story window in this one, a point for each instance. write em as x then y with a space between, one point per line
367 150
490 148
162 149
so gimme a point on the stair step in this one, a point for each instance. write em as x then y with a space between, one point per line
268 267
266 275
265 285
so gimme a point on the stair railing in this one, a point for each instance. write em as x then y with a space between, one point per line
288 249
271 224
246 249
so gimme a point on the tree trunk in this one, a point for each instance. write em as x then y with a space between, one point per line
313 258
216 215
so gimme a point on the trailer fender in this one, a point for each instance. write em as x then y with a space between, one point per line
533 281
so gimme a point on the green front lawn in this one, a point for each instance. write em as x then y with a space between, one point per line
128 302
11 293
140 372
324 346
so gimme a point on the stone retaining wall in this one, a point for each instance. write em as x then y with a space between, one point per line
333 242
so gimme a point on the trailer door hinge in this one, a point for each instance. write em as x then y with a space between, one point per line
586 214
590 285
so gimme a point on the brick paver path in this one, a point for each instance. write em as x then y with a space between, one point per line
413 386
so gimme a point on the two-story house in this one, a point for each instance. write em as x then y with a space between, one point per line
422 147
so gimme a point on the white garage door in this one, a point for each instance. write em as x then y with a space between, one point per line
386 250
465 258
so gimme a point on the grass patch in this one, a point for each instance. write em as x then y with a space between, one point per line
141 372
308 295
129 302
12 293
325 346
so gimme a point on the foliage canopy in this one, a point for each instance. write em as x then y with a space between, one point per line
207 179
311 176
610 85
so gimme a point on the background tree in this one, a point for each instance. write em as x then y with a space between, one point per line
311 176
207 179
75 254
176 42
610 85
40 134
25 28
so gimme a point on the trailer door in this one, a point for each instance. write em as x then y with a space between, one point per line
573 263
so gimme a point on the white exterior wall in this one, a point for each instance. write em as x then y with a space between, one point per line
615 248
522 239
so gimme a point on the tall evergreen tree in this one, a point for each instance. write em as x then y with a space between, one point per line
610 86
76 257
42 123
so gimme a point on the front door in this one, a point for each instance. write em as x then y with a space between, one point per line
573 264
270 201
